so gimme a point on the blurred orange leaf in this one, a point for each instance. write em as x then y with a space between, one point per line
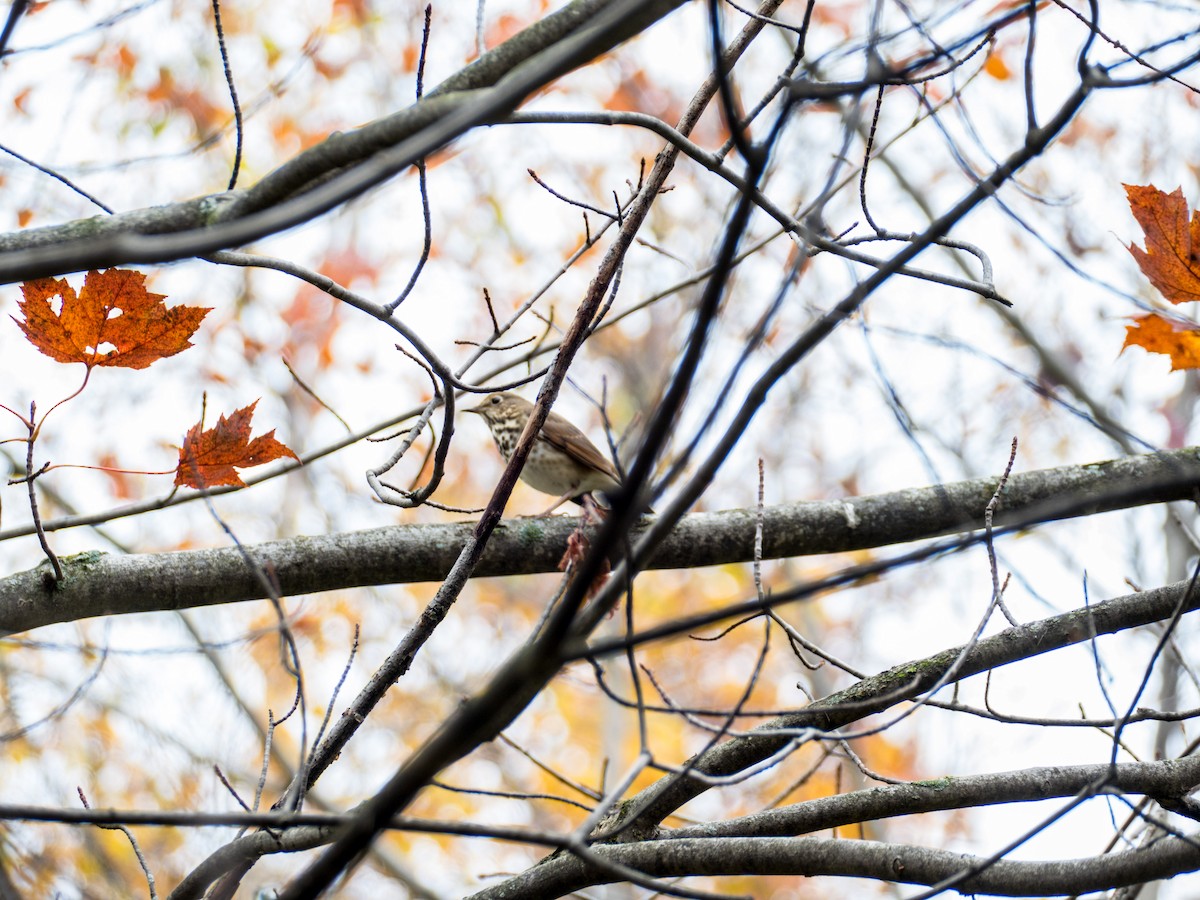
628 93
122 484
502 29
114 310
409 56
997 67
21 99
1006 5
358 10
207 458
1156 334
1172 242
206 116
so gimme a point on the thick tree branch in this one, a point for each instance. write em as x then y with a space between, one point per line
888 863
99 584
871 696
903 683
1171 778
344 165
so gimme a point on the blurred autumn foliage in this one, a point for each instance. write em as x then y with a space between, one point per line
804 297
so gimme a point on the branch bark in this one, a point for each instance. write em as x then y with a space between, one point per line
640 815
1169 778
900 684
888 863
345 164
99 584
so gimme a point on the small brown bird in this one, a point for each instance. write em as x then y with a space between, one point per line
562 461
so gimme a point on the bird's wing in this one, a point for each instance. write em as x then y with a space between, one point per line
573 442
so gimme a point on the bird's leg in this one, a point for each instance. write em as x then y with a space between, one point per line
557 503
592 511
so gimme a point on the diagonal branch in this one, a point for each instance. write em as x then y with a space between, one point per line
906 682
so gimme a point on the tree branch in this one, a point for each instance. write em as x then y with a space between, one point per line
345 164
888 863
1171 778
99 584
900 684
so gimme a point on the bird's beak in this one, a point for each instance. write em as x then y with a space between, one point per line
475 409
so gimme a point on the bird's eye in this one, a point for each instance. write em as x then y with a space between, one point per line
495 400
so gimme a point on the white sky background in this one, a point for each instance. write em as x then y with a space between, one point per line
828 430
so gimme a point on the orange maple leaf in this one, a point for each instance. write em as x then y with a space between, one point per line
114 310
1171 259
1158 335
207 458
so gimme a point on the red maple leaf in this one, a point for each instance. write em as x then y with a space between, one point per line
113 321
1171 259
207 458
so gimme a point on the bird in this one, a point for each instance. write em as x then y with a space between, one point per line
562 461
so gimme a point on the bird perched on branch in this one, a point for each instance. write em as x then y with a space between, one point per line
562 461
